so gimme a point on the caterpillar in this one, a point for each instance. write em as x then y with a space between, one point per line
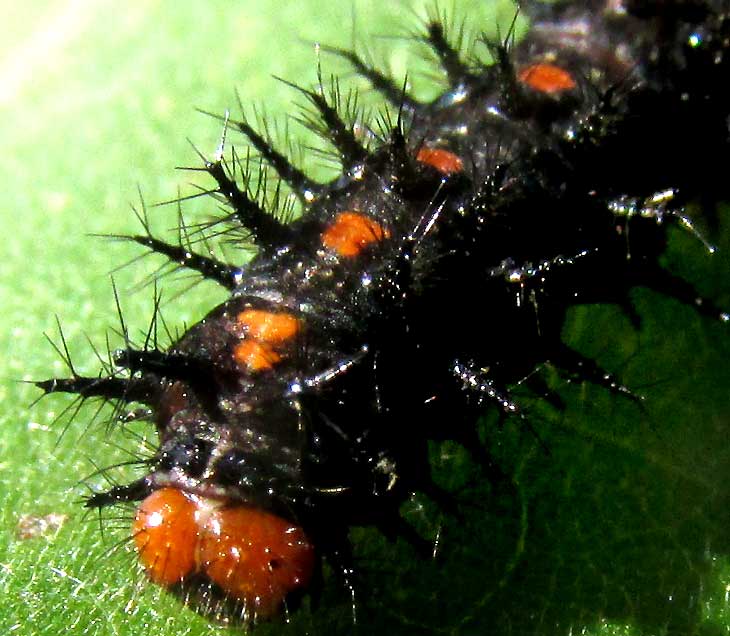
288 408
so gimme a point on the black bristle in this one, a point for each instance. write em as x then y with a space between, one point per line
266 230
457 71
329 123
307 189
389 88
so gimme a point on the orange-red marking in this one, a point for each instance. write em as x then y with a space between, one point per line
257 356
351 232
166 534
444 161
256 557
268 326
546 78
253 556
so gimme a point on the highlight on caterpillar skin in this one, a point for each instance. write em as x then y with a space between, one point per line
310 401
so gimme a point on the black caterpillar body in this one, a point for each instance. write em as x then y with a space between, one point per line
427 281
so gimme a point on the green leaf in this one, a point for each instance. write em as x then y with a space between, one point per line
621 528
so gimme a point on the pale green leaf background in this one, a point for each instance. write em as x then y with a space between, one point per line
621 528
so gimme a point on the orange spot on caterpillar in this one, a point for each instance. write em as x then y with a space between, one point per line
257 356
256 557
166 534
546 78
351 232
267 326
444 161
